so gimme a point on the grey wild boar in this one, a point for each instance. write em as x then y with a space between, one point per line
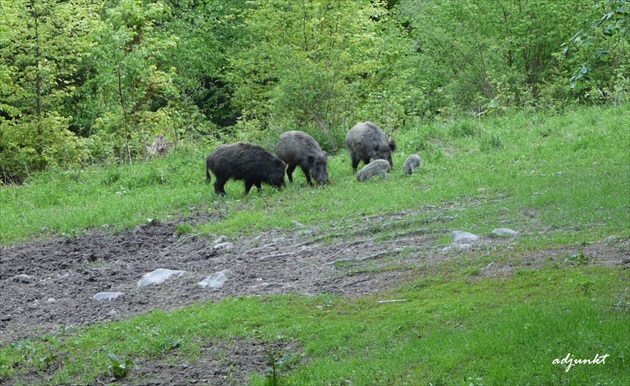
297 148
244 161
411 164
378 166
365 142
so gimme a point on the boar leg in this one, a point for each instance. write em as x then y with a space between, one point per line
290 170
219 186
307 173
248 186
355 164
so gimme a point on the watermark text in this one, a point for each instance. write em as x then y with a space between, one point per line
569 361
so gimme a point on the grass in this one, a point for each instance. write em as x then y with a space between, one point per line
566 174
559 180
492 331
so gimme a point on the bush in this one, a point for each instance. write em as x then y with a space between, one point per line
34 144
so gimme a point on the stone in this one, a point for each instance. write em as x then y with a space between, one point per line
503 233
158 276
23 278
457 247
223 247
220 239
309 231
107 295
216 280
460 236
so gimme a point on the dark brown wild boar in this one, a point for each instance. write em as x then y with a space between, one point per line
244 161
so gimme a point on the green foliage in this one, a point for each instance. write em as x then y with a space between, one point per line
207 33
132 91
119 73
184 229
35 144
42 44
311 65
278 363
486 56
491 142
272 374
603 45
117 368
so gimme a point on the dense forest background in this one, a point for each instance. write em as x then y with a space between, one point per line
92 81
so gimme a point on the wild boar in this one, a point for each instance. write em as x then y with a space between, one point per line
365 142
298 148
411 163
378 166
244 161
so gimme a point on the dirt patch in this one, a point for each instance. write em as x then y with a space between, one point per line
49 285
220 363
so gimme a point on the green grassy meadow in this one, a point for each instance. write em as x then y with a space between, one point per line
568 172
561 180
448 331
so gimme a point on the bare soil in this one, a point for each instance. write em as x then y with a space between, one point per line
48 285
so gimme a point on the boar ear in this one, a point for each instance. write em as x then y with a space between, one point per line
392 145
310 160
375 147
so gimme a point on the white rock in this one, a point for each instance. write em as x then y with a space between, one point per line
158 276
22 278
223 247
216 280
459 236
221 239
107 295
309 231
503 232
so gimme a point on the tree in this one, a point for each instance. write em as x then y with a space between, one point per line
309 65
492 54
44 42
125 99
207 32
41 44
